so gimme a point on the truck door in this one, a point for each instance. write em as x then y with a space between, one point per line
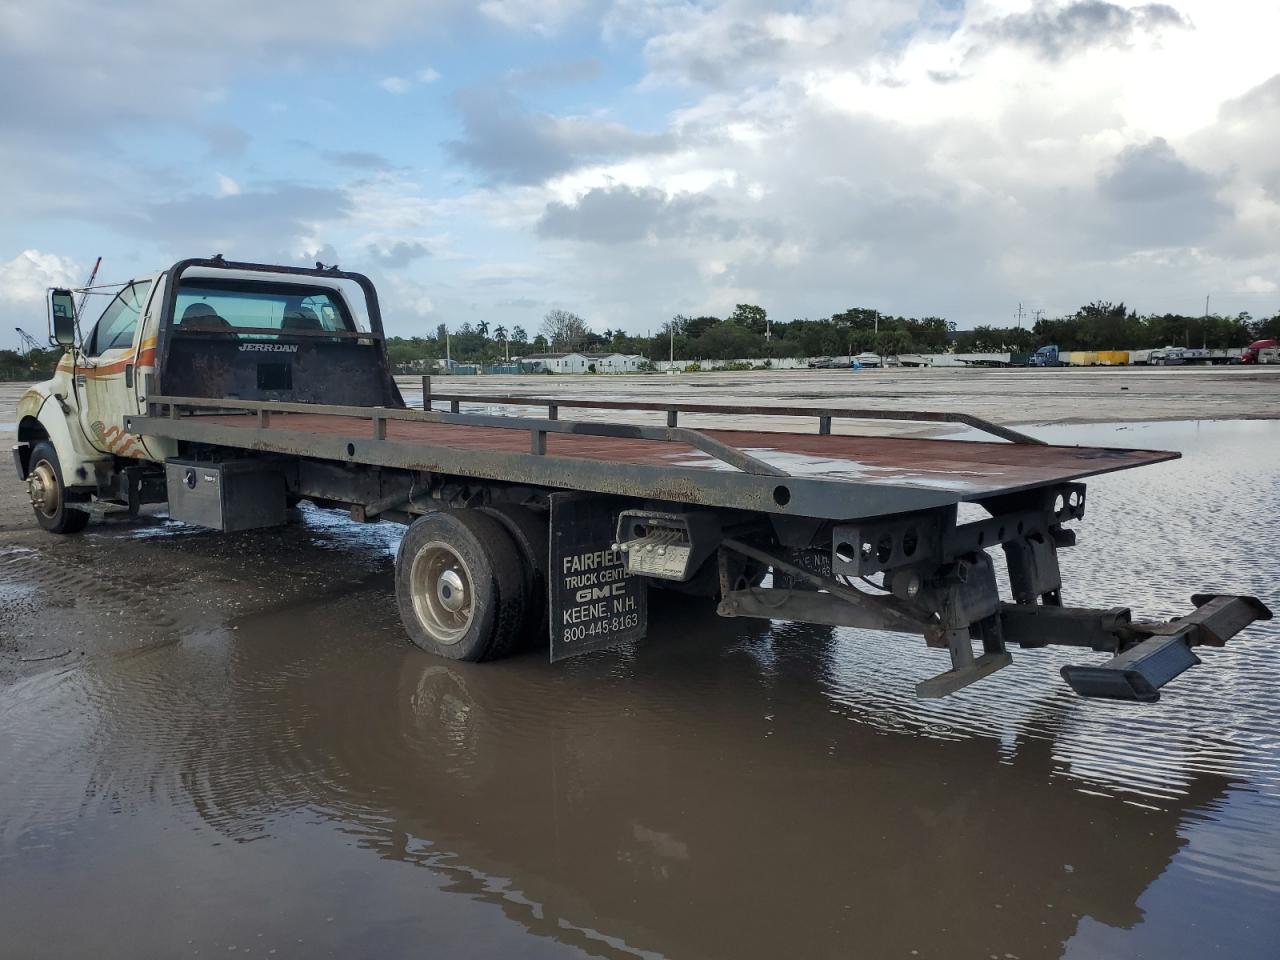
105 374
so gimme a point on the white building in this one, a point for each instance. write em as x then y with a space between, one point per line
582 362
620 362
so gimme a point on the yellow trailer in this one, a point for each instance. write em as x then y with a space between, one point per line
1113 358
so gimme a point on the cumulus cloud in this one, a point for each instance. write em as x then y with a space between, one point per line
506 142
1151 172
23 282
623 214
25 278
395 84
398 254
400 85
1056 31
747 43
255 223
543 16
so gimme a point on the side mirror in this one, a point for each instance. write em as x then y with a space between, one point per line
62 308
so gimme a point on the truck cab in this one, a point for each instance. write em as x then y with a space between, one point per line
1046 356
201 330
1254 352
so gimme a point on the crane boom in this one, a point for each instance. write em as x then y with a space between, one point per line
84 296
26 342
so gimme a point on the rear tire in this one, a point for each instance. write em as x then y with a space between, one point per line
529 530
48 493
460 586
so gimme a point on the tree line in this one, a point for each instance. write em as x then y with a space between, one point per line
1106 326
36 364
748 332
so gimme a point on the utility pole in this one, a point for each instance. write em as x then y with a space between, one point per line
1019 314
672 329
1204 326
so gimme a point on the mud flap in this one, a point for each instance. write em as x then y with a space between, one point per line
593 602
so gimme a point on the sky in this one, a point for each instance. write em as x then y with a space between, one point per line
634 159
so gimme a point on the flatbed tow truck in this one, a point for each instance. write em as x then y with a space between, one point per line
232 390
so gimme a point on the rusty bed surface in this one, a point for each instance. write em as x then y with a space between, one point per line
968 468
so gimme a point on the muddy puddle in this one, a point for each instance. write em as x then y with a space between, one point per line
241 755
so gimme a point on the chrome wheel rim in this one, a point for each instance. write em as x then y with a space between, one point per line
443 597
42 488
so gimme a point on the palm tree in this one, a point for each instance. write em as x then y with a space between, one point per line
500 333
482 328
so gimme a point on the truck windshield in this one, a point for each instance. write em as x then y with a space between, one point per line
258 311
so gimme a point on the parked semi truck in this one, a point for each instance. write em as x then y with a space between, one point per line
1046 356
1260 351
231 390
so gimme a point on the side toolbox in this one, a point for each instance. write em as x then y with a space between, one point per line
227 495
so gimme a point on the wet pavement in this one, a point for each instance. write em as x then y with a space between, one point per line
215 745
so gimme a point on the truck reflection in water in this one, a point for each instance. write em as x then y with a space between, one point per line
700 794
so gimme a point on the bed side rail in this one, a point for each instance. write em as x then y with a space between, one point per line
824 415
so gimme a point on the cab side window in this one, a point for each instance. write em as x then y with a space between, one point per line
119 322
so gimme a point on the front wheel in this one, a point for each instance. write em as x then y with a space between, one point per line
48 493
460 586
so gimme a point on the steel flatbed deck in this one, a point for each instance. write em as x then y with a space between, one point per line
833 476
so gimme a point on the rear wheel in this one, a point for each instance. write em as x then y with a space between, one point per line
528 529
48 494
459 586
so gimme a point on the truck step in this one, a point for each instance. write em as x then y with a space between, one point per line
1138 673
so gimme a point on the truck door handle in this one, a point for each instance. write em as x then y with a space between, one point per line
128 375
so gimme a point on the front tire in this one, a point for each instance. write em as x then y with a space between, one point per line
460 586
48 493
